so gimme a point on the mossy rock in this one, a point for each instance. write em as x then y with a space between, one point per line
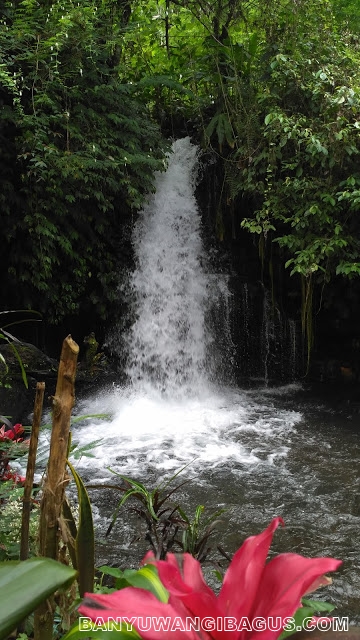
17 400
34 361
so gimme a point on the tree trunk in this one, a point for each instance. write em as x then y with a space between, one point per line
56 479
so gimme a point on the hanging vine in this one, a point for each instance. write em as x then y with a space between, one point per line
307 290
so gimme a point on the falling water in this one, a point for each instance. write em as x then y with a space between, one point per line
180 403
256 452
268 341
168 341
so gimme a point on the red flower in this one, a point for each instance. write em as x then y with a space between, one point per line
251 589
11 475
11 433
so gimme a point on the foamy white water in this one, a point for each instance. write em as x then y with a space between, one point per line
168 340
173 413
148 433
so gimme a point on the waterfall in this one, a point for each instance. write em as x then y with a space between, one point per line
179 402
167 344
194 325
249 449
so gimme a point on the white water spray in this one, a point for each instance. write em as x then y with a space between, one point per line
168 341
172 413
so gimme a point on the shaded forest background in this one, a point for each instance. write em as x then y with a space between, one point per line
91 92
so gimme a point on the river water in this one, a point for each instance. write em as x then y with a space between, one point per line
258 453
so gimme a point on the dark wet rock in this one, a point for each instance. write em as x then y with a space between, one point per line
17 399
18 381
35 362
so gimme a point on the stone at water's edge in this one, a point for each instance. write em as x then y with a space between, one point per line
17 401
35 362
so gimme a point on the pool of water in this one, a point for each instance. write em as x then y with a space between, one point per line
256 453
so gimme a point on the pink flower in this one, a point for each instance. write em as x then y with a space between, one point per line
251 589
11 475
11 433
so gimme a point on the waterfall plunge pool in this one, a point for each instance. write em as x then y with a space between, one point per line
256 453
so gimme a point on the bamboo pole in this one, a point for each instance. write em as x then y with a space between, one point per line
56 478
30 470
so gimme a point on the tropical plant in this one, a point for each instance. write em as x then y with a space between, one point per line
162 517
251 591
82 153
35 579
167 524
195 537
12 445
80 536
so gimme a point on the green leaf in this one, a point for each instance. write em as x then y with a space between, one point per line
318 605
297 621
83 629
127 495
35 579
23 372
147 578
111 571
134 483
85 539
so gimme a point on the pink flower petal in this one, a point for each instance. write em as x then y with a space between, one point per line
190 589
285 580
139 604
244 574
182 574
171 578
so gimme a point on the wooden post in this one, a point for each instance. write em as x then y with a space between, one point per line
30 470
56 478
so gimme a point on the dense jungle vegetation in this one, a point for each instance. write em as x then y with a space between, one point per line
91 91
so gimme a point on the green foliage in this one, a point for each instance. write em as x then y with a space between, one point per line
307 611
162 517
284 125
84 538
303 175
166 520
195 536
144 578
298 164
35 579
83 153
10 521
347 14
